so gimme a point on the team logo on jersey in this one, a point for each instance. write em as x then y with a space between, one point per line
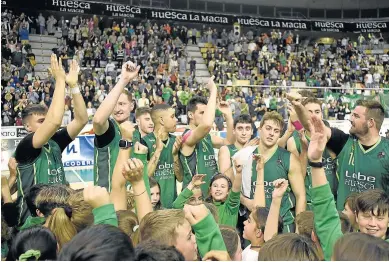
381 155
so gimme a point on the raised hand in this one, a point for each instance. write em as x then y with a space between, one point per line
127 130
224 108
318 141
12 165
197 180
211 84
133 170
260 161
195 214
56 69
129 71
252 142
96 196
280 187
140 149
292 114
72 76
294 97
177 145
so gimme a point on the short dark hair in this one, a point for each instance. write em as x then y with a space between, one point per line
98 242
373 110
35 238
152 250
156 109
231 239
371 199
194 101
361 247
31 195
242 119
260 215
140 111
33 109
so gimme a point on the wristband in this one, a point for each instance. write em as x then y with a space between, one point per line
74 90
297 125
316 164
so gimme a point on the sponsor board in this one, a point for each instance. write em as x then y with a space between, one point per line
130 11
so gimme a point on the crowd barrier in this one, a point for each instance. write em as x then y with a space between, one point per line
78 156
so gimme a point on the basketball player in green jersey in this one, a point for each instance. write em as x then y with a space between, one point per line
144 123
117 104
243 131
295 146
279 163
164 164
197 154
39 154
362 155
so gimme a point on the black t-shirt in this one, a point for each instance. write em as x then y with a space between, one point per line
26 153
338 140
262 112
332 111
341 114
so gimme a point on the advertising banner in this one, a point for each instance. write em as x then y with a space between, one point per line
129 11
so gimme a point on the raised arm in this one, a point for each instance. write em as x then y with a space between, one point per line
271 229
224 161
237 184
296 180
259 195
282 142
208 118
178 172
133 172
152 164
217 141
326 217
118 193
80 114
55 113
100 119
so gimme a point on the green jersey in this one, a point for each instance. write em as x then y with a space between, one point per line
164 172
47 168
360 170
201 161
276 167
105 158
329 169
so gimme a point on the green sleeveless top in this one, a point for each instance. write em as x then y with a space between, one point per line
329 169
360 170
46 169
276 167
105 160
164 172
233 150
202 161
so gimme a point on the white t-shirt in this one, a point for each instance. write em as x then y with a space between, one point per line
249 255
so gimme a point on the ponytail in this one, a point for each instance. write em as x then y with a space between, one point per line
60 224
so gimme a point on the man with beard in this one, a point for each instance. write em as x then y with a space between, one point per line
119 104
363 156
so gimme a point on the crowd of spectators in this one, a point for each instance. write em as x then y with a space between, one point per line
282 57
167 72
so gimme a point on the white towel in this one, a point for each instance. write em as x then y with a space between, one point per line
246 155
